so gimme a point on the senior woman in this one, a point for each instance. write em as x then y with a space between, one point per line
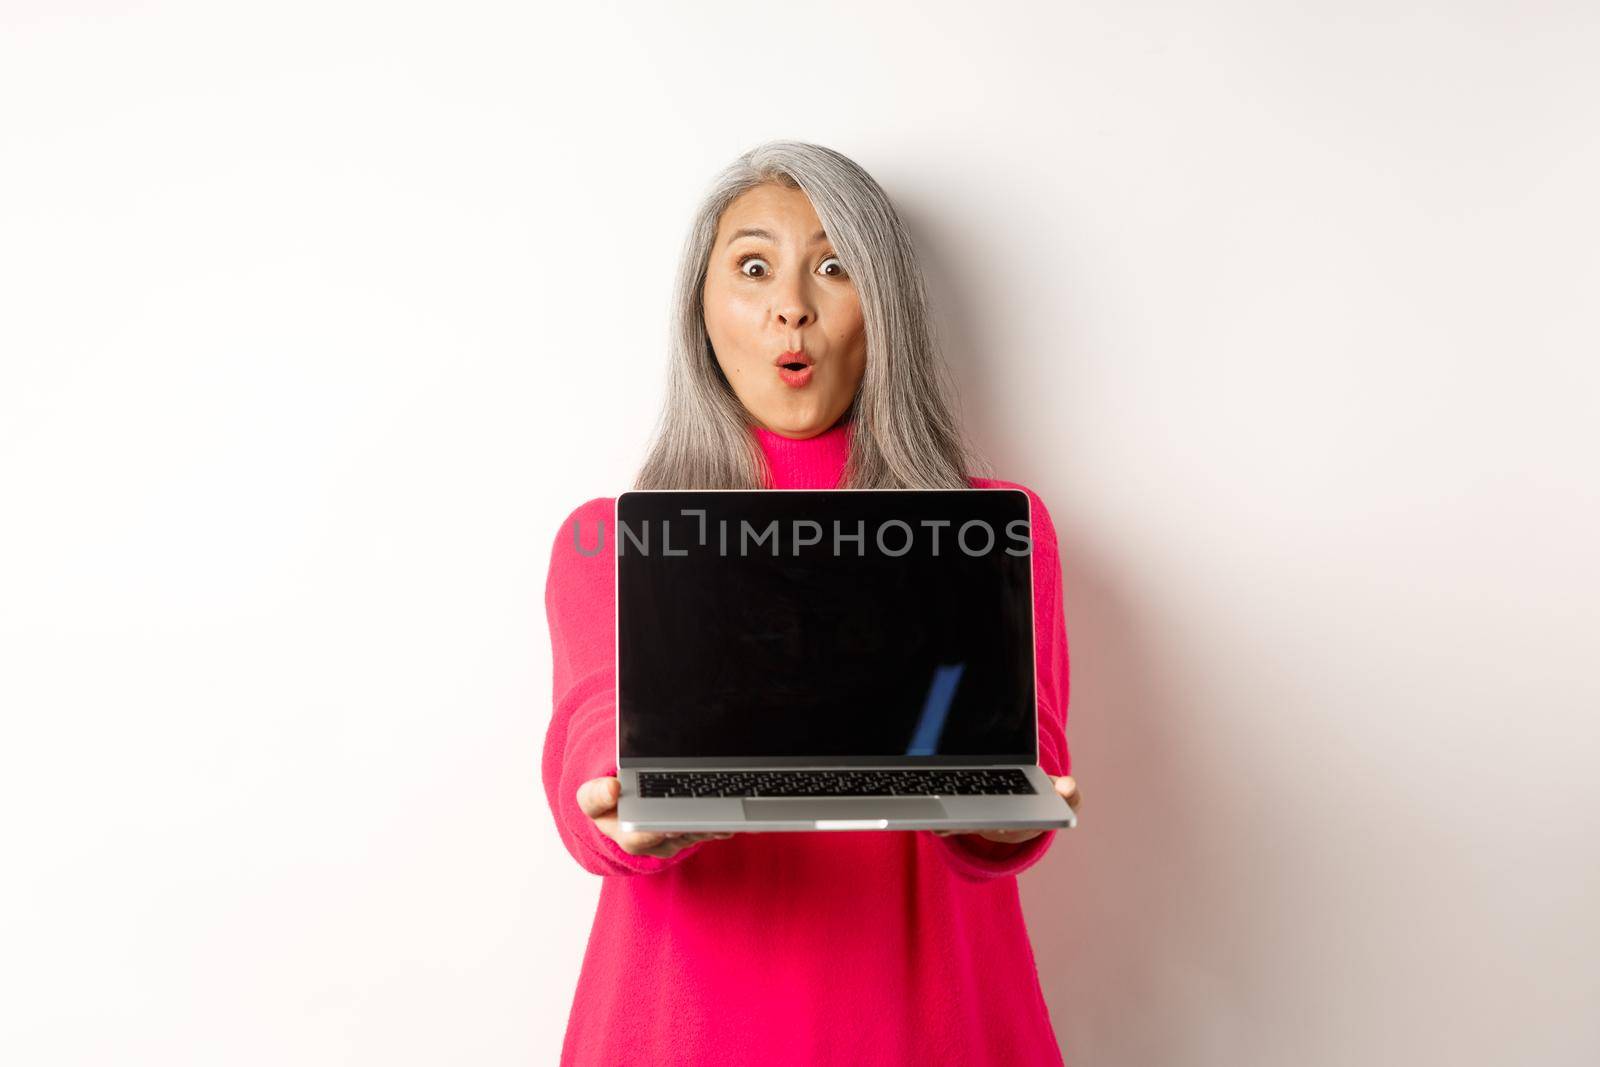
802 358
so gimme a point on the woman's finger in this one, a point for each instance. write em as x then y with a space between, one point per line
1067 786
598 800
1005 837
668 843
645 842
674 845
599 795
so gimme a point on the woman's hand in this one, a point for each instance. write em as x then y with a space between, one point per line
598 799
1064 785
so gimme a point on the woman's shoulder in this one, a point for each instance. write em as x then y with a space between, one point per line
591 510
1041 528
1040 513
581 549
585 522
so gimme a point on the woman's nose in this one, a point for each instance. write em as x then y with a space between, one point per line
794 310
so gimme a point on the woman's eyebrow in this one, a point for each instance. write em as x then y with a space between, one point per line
751 231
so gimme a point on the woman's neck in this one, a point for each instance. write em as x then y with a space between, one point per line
813 463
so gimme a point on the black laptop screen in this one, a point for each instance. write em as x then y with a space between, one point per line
855 626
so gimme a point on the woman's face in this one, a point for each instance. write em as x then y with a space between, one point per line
776 297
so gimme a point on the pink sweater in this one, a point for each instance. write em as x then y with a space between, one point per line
883 948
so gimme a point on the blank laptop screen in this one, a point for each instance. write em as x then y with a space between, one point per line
855 626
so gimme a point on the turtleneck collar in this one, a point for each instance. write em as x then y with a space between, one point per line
814 463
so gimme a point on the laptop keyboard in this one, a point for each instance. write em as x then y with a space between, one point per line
836 783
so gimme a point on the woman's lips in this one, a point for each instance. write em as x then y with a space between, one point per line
794 368
795 378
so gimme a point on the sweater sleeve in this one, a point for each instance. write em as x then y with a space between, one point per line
581 740
976 858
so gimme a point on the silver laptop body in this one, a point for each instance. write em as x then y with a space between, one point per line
798 659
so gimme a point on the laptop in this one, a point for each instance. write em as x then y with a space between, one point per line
840 659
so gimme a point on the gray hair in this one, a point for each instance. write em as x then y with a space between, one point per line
905 434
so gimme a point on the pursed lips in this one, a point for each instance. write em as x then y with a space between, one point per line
797 360
794 369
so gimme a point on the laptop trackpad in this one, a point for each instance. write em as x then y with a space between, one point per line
756 808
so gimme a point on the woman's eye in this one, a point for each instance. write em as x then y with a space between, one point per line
837 272
747 261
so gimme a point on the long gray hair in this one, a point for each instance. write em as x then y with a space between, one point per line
905 433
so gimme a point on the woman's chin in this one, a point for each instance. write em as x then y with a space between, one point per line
806 422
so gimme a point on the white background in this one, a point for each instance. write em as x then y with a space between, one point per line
316 319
